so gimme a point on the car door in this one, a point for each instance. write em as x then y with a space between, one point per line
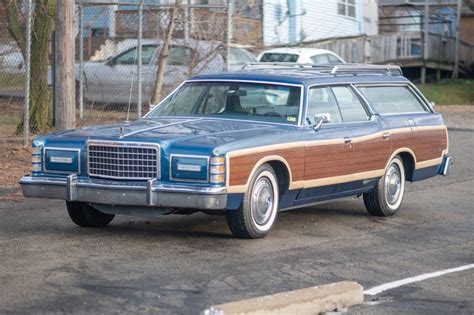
328 150
371 145
115 80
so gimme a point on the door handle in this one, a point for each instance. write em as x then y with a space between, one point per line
386 135
347 140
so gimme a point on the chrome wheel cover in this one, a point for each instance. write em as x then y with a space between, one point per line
393 184
262 201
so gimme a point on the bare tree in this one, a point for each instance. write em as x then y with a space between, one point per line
164 53
42 26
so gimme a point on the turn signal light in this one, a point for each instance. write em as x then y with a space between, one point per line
217 179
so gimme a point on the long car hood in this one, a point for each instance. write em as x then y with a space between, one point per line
175 132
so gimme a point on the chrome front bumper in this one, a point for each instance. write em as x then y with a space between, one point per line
151 193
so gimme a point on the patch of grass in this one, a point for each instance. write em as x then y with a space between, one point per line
449 92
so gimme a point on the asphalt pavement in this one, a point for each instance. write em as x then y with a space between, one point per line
183 264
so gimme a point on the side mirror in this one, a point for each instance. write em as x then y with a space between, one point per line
320 119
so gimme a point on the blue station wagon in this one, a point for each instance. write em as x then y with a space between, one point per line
249 144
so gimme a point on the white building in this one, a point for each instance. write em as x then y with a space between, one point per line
294 21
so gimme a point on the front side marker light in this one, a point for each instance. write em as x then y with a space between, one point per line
219 160
217 169
36 159
36 167
217 179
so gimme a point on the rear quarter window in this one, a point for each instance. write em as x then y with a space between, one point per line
389 100
279 57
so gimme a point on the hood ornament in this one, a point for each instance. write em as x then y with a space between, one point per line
121 131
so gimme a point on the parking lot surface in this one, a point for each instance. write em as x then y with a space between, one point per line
183 264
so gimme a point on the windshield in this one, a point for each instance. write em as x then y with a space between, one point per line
237 100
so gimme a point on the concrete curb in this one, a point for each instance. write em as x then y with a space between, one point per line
314 300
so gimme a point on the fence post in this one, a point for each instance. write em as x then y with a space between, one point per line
26 105
81 61
229 32
139 61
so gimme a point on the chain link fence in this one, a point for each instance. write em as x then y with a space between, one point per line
111 37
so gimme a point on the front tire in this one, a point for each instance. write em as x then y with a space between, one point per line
386 198
258 212
86 216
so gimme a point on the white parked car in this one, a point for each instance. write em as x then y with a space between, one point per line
300 55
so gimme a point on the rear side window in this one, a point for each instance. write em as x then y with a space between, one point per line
389 100
278 57
321 101
351 108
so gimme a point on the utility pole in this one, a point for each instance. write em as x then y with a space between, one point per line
26 105
65 109
425 42
458 40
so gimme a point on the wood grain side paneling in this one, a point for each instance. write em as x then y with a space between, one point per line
241 166
367 154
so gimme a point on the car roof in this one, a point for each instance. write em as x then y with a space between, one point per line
299 51
302 76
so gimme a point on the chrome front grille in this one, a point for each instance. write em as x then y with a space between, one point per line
123 160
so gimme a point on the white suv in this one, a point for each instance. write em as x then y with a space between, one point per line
300 55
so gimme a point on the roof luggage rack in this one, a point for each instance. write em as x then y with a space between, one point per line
355 68
333 69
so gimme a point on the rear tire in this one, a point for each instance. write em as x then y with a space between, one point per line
386 198
258 212
86 216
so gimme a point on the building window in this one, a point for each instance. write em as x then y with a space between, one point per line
347 8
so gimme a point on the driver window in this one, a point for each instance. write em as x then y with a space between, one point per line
321 101
129 57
